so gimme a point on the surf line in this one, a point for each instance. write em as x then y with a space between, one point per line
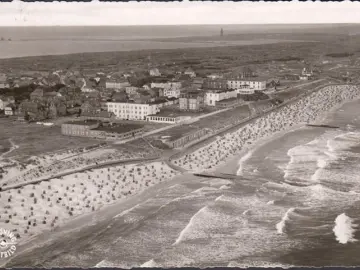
344 229
182 233
281 225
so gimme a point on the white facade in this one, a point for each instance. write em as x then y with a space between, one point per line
212 96
215 76
9 111
116 85
132 111
167 119
167 85
248 83
190 72
131 89
154 72
3 103
245 91
172 92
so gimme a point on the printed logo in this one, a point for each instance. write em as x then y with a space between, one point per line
7 243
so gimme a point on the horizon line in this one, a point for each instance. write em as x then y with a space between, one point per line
185 24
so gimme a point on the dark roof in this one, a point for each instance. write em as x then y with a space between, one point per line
102 114
120 128
83 123
221 90
227 100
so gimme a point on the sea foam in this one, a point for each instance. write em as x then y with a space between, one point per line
149 264
281 225
344 229
242 160
188 226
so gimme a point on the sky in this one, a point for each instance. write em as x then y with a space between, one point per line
19 13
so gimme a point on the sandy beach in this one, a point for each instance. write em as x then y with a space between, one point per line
50 205
305 110
29 210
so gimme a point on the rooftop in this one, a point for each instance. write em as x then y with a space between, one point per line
250 79
174 113
227 100
119 128
220 90
83 123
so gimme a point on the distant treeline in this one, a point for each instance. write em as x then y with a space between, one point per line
282 59
343 54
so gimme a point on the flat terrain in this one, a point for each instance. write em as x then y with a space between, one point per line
33 139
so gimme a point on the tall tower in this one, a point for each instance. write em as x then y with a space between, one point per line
221 32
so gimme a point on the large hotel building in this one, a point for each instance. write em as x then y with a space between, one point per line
132 111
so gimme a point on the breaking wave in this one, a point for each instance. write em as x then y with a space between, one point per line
149 264
344 229
242 160
281 225
189 225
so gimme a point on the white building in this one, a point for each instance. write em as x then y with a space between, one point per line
190 72
306 74
113 84
131 89
154 72
211 97
245 90
172 92
166 119
215 76
5 101
166 85
251 83
9 110
132 111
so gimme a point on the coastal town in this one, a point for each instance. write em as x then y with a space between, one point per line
77 139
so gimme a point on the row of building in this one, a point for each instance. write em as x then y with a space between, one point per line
101 130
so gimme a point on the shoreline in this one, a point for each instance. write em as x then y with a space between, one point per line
110 210
208 157
92 219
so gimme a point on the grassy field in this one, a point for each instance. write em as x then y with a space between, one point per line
35 139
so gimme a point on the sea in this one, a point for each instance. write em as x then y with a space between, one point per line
297 203
59 40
